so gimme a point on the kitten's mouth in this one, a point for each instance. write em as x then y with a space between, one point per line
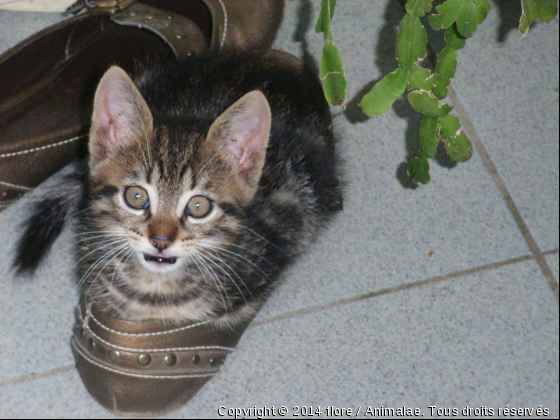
160 259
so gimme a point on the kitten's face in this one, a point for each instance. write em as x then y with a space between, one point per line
166 198
170 218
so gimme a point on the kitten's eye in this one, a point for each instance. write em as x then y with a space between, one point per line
199 207
137 198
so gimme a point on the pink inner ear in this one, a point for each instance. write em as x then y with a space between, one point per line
114 115
247 142
120 114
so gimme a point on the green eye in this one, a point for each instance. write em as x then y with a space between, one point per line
199 207
137 198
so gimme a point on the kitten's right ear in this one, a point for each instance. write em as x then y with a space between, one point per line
120 114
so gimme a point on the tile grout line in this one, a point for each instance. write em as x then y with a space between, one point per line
33 376
498 180
389 290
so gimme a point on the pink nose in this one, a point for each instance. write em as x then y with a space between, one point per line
162 233
160 243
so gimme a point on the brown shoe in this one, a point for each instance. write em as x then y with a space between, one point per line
45 109
147 369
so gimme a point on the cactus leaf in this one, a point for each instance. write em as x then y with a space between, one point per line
459 147
544 10
411 42
385 93
425 102
418 7
448 13
332 74
456 142
429 136
325 17
449 125
445 69
453 38
483 8
467 23
421 78
419 169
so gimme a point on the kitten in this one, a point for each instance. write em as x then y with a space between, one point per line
205 180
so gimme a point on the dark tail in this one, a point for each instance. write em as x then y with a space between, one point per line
47 221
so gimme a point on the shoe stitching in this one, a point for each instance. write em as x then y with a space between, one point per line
36 149
20 187
135 375
141 335
86 326
225 24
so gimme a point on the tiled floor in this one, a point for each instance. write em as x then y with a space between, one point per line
445 295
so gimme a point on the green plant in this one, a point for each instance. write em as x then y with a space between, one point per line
426 88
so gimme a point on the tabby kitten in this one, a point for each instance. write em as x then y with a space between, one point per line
205 180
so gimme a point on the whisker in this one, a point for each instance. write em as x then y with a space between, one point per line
237 257
102 245
259 236
215 278
227 274
100 261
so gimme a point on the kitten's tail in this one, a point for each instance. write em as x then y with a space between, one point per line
49 216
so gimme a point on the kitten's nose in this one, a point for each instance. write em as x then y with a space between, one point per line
162 233
160 243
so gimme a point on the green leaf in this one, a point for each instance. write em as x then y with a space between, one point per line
411 42
483 7
456 142
449 12
418 7
385 93
325 17
459 148
544 10
425 102
419 169
449 125
429 136
453 38
445 69
421 78
547 10
332 74
467 24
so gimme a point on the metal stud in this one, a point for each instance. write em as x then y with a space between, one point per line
114 356
92 344
217 361
144 360
170 360
195 359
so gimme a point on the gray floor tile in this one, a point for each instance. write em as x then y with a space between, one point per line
17 26
35 313
56 396
510 91
489 339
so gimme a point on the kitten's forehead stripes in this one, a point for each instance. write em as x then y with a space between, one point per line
105 191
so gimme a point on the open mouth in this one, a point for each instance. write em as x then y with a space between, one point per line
160 259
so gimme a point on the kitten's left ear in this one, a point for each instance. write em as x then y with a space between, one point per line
242 133
120 115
